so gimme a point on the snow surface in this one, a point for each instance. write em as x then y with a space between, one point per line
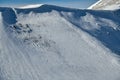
59 44
94 4
31 6
112 7
106 5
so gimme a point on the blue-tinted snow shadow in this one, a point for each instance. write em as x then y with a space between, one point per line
8 15
107 35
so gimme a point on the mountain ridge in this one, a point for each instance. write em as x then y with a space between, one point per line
106 5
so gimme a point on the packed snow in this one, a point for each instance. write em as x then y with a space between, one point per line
59 43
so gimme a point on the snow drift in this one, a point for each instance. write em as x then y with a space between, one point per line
56 43
31 6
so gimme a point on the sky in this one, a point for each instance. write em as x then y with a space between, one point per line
65 3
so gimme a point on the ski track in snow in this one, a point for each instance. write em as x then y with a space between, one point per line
55 49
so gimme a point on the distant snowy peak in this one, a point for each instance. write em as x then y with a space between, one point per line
106 5
31 6
93 5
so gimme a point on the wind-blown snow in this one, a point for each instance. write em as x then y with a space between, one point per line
31 6
57 45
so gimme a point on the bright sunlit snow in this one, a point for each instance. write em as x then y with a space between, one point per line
56 43
106 5
31 6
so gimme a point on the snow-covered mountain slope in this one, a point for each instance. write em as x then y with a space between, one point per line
106 5
56 43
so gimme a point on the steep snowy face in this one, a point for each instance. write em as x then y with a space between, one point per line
55 43
106 5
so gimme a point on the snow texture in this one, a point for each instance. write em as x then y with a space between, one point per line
106 5
31 6
56 43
